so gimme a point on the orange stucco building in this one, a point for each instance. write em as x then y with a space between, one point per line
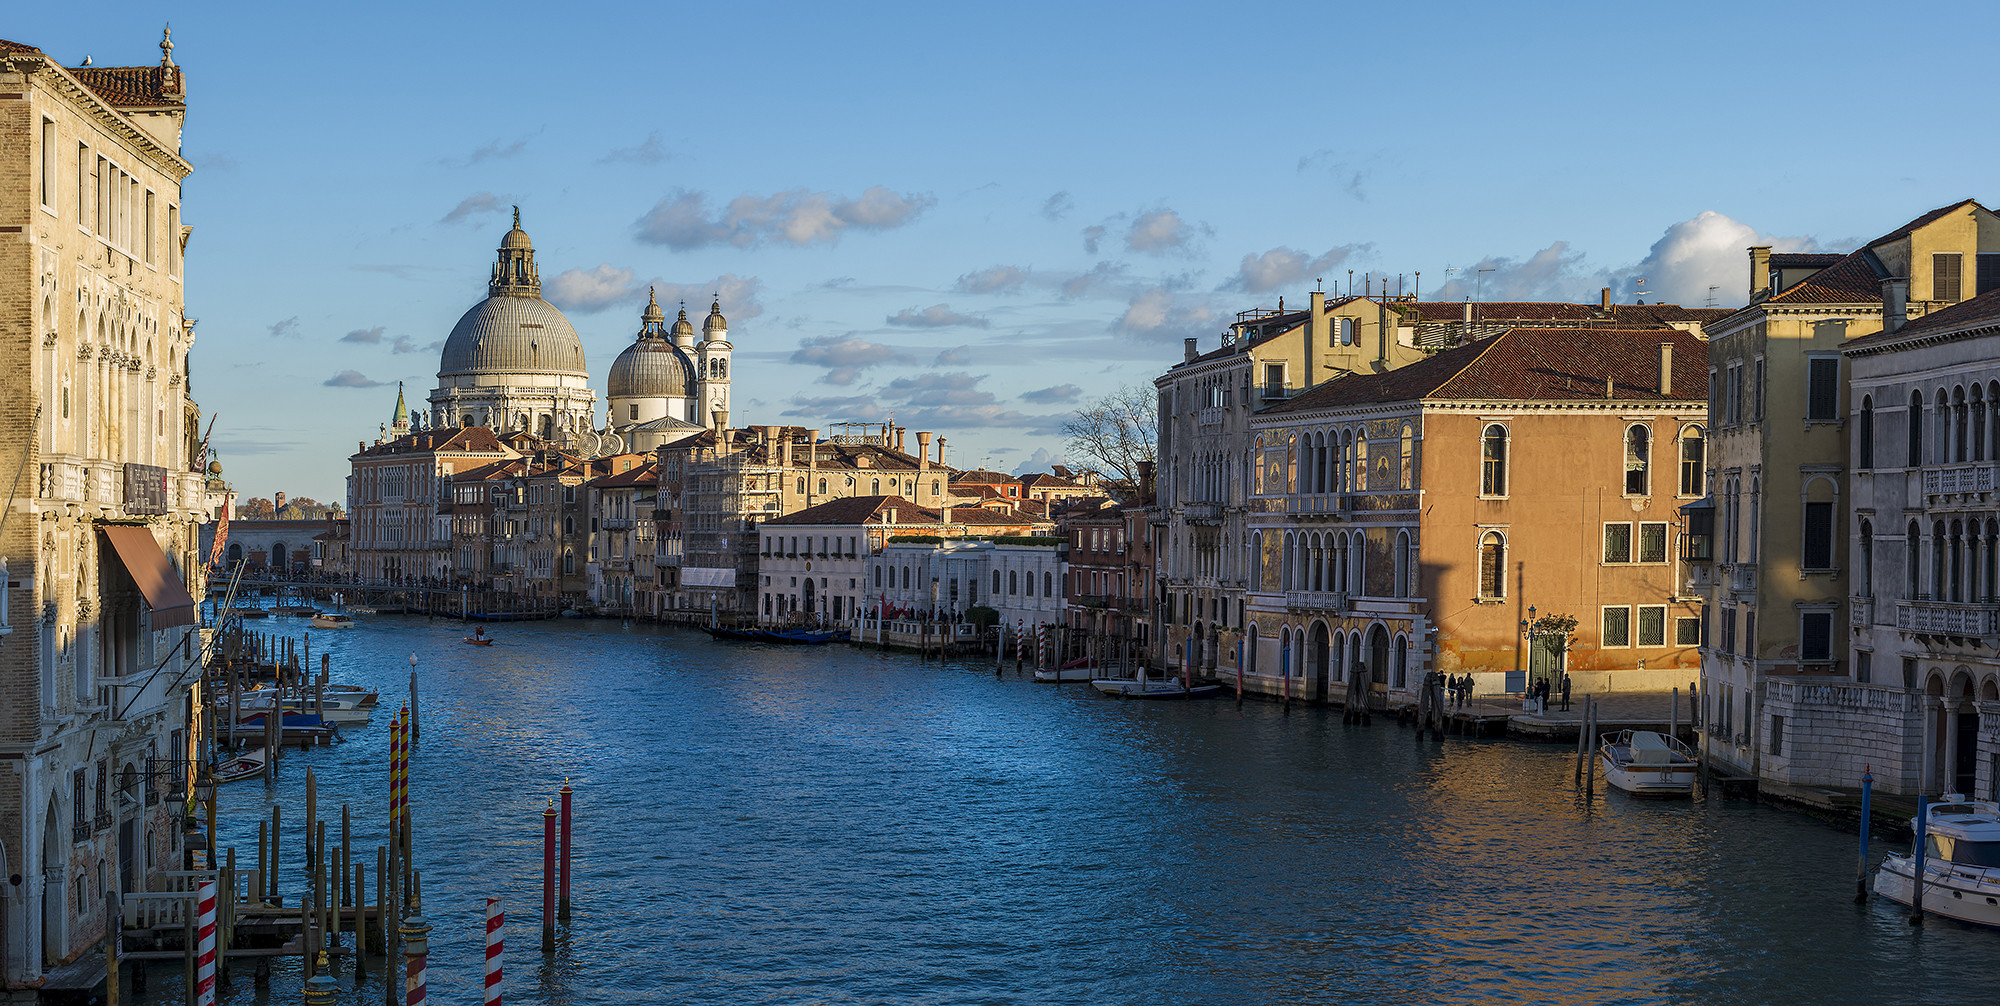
1412 520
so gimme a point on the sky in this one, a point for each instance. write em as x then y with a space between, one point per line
974 218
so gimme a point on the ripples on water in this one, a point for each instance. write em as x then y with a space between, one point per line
825 825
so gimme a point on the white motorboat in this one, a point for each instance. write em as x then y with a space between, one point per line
1141 688
1083 671
1961 862
1646 763
332 620
342 706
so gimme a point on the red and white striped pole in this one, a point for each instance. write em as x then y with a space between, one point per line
495 921
416 955
204 961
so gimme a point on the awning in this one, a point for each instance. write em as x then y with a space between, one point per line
155 576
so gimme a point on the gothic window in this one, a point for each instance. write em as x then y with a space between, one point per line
1492 565
1493 461
1693 461
1638 460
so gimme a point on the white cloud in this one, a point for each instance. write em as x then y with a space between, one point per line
999 279
1555 273
351 379
592 290
1158 313
845 356
477 204
1040 461
797 217
1055 395
606 286
1706 250
1282 266
1158 232
935 316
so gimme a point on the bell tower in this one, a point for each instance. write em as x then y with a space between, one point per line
712 370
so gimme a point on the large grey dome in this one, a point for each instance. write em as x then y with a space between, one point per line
512 334
651 368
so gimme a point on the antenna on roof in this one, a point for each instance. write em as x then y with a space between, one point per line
1711 294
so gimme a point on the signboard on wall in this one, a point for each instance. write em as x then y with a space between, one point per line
145 489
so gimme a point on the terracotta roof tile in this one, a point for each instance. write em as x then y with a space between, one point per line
857 510
1854 279
1530 364
128 86
1983 309
1804 260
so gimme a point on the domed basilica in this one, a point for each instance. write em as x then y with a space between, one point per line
514 364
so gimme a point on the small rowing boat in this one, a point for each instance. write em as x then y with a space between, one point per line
242 765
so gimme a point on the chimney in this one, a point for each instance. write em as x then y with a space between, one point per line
1145 482
721 419
1191 352
1604 298
1666 370
1895 302
721 435
1607 386
1760 272
923 454
1315 322
940 457
784 437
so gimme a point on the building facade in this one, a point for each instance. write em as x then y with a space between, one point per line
100 545
1780 438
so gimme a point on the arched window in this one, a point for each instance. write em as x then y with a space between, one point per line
1914 450
1048 585
1958 424
878 577
1866 555
1361 462
1409 459
1937 561
875 487
1978 424
906 577
1912 574
1493 461
1402 661
1250 650
802 486
1864 437
1285 652
1638 460
1403 584
1941 432
1492 565
1013 582
235 553
1285 574
822 487
1694 459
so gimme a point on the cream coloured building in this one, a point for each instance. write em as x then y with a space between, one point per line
100 537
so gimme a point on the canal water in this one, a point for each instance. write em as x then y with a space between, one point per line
824 825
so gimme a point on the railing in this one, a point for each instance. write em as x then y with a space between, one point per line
1948 618
1320 600
617 523
1211 416
1320 503
1845 695
1201 511
1960 479
1860 611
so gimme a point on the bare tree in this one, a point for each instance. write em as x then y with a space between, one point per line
1116 432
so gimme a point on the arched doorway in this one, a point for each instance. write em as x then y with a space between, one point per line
278 556
810 608
1965 756
1378 655
1321 640
235 554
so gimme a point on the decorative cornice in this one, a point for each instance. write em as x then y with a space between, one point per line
30 64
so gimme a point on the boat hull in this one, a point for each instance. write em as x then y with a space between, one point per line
332 622
1650 780
1947 893
1126 688
1052 675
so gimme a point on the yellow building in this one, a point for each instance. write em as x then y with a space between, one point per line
1779 435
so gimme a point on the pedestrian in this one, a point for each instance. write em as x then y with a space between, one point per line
1565 706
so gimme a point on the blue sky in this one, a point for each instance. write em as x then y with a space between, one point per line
974 217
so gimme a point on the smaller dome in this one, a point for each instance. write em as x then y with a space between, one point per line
653 314
684 326
651 368
516 238
716 322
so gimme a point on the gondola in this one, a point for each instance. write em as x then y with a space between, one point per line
790 637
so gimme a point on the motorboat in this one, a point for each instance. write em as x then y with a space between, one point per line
332 620
1648 763
1141 688
479 640
1961 862
340 706
241 765
1080 669
294 729
795 637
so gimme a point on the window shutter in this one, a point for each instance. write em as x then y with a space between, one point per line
1945 276
1822 392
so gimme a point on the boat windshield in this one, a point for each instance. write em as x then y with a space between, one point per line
1961 852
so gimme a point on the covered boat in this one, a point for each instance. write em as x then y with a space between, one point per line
1961 862
1646 763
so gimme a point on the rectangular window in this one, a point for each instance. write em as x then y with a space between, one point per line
1652 625
1988 279
1653 542
1617 543
1946 274
82 186
1687 632
1818 552
1864 666
1777 735
1750 633
1274 380
1733 395
1728 630
1617 627
1822 389
1816 636
101 189
173 241
148 250
49 163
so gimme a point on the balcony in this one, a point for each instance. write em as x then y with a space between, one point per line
1960 479
1860 611
1947 618
1318 504
1316 600
617 523
1743 577
1202 513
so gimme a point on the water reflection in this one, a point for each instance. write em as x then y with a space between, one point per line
831 826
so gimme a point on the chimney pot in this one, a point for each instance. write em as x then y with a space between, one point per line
1760 271
1604 298
1191 343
